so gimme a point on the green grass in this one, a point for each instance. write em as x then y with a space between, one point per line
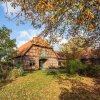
44 85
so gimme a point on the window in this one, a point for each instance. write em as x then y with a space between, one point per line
32 63
59 63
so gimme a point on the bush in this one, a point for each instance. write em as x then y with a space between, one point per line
1 74
16 72
18 66
74 66
92 71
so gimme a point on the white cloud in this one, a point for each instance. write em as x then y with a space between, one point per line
29 34
20 42
60 42
63 41
9 9
25 36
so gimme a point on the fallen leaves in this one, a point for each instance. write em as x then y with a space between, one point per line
40 86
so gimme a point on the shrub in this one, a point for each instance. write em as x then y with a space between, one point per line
93 71
1 74
16 72
74 66
18 66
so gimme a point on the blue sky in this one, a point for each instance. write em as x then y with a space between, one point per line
22 33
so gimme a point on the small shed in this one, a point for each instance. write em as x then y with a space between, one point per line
90 56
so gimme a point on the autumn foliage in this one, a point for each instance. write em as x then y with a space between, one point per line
57 15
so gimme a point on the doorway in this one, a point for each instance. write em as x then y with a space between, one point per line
41 63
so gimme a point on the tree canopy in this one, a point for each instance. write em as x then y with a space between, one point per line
7 45
74 47
61 16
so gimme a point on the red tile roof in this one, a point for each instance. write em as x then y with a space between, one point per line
35 41
90 53
60 55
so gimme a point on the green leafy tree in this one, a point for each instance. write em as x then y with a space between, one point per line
73 48
7 46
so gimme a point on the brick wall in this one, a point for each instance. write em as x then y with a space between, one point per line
34 54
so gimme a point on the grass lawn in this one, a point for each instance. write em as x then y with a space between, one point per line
44 85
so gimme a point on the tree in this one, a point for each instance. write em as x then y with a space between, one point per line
73 48
59 16
7 46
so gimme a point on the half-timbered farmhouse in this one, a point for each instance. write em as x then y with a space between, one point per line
38 54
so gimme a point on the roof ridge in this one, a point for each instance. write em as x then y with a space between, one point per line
36 41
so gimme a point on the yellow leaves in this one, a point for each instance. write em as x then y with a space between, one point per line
96 1
89 14
65 9
40 86
43 6
30 13
91 27
52 18
20 0
57 11
80 6
87 17
49 6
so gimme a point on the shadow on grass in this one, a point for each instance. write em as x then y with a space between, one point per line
4 83
80 91
56 73
52 73
27 72
60 75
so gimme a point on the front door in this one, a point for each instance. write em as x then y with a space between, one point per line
41 63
